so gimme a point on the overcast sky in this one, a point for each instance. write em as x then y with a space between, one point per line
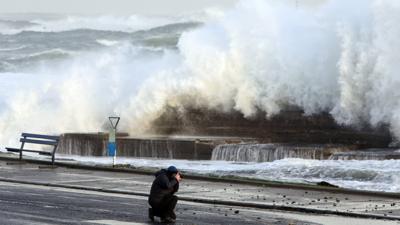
110 6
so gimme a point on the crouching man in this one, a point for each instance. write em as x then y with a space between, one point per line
162 199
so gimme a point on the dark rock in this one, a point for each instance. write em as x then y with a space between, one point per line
326 184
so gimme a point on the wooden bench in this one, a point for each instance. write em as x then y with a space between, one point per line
37 139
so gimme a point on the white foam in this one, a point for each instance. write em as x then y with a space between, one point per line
107 43
12 49
105 22
363 175
50 52
258 56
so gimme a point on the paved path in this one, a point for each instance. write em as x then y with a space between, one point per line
240 193
23 204
32 204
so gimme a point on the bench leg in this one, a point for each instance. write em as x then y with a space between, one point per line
20 150
53 155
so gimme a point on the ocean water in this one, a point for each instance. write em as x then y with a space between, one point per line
373 175
75 71
61 73
68 73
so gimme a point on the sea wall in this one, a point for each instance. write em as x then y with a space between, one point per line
290 126
194 134
96 145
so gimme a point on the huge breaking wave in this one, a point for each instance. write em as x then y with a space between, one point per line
259 56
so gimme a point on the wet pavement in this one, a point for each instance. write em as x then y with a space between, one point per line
198 189
32 204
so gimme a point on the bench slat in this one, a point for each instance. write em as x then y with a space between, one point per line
28 150
12 149
33 141
37 151
51 137
45 153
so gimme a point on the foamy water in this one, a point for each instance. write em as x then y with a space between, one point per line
69 73
371 175
259 55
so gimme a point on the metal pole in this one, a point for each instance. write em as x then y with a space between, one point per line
112 144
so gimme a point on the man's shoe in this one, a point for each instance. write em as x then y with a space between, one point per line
167 220
151 214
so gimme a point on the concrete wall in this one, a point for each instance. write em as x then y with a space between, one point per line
96 145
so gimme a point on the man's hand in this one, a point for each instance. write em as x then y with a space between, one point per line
178 177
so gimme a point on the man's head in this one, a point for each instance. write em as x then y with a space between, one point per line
172 170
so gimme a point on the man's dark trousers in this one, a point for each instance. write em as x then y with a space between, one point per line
166 207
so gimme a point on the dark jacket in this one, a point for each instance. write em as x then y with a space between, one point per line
162 186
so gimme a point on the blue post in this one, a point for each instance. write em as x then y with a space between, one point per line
112 144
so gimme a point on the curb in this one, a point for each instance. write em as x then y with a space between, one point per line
213 201
236 180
